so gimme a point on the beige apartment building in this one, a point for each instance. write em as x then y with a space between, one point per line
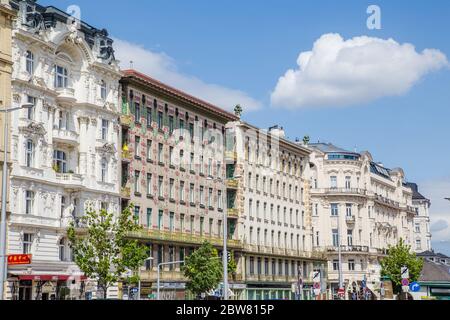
268 192
6 19
360 205
173 172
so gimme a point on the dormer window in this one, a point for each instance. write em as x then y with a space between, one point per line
61 77
103 90
30 62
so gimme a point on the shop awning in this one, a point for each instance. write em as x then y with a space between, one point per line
49 277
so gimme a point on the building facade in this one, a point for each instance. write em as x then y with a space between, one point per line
64 150
173 173
362 207
268 194
422 234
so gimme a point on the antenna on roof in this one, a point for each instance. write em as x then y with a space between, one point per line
131 64
354 148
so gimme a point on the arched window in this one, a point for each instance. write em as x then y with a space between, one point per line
29 153
29 62
104 167
103 90
59 161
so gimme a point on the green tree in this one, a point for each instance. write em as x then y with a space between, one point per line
102 248
398 256
203 269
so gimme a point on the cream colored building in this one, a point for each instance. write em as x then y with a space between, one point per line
362 205
268 193
64 150
422 234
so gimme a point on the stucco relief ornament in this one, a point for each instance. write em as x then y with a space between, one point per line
34 129
73 37
107 148
34 21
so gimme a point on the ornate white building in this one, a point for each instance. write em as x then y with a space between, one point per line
360 205
422 234
64 150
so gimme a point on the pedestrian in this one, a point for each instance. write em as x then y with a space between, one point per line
354 295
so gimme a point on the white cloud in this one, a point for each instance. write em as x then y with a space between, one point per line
163 68
345 72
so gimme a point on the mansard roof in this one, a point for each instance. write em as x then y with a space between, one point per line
329 148
416 194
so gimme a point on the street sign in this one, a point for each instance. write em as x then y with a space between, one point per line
316 285
405 282
414 287
405 288
316 276
14 259
134 290
404 272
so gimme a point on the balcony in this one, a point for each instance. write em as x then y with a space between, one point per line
383 200
126 155
178 237
350 219
233 213
340 191
126 120
65 136
66 95
232 183
276 251
347 249
70 180
230 155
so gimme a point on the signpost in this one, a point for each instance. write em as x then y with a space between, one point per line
414 287
404 271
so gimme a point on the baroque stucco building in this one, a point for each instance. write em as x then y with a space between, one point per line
361 206
64 150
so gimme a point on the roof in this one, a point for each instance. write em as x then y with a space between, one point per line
329 148
131 73
416 194
431 253
380 170
434 271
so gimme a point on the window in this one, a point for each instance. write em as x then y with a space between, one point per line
171 221
210 167
160 120
351 265
335 265
191 222
348 209
104 170
170 155
210 197
29 153
191 193
202 220
61 77
103 90
191 130
30 111
219 199
171 125
149 183
149 217
136 181
350 237
201 195
149 149
201 165
334 209
160 187
333 182
219 228
27 242
29 62
62 248
171 187
137 209
191 162
137 112
181 190
105 125
160 219
160 152
335 237
29 202
417 227
347 182
317 238
316 209
60 161
418 244
137 147
149 116
182 222
63 206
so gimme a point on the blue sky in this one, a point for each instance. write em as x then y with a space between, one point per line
249 45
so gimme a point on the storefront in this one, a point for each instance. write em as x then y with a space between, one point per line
47 287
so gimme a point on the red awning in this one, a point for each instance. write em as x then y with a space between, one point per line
50 277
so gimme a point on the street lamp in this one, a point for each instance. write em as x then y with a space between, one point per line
3 267
157 278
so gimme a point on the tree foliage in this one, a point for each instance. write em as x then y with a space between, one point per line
398 256
102 248
203 269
